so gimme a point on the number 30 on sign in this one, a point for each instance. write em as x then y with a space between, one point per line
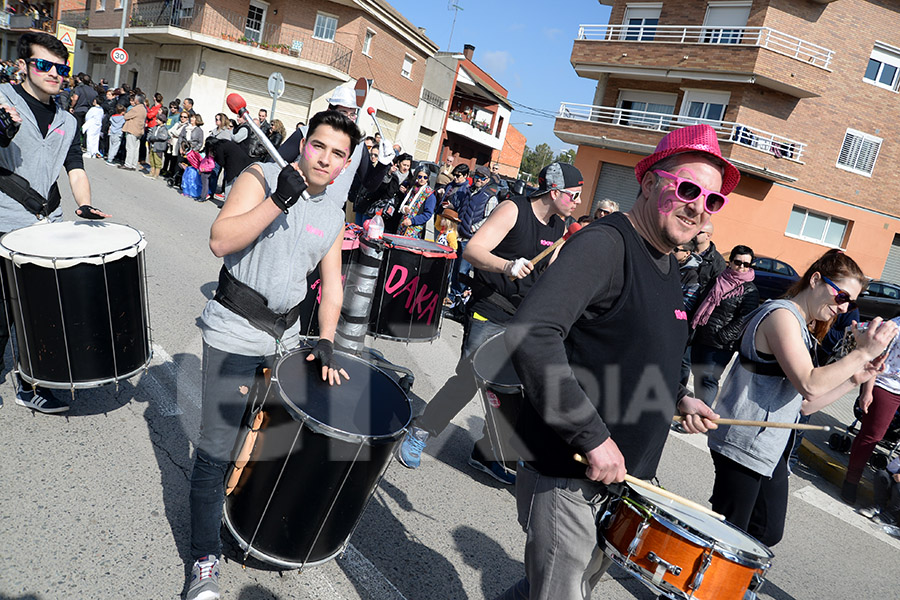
119 56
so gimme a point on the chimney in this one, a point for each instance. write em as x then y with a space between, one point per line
468 51
421 30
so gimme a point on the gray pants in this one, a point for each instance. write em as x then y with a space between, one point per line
132 143
562 558
114 142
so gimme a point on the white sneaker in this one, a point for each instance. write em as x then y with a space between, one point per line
204 579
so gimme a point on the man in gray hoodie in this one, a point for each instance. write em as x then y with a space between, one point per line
46 135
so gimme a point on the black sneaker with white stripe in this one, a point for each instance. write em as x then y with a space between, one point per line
41 400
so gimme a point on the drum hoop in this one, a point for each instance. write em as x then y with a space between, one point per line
318 426
19 258
684 530
390 243
507 388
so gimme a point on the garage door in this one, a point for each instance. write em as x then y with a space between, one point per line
291 108
891 270
390 125
423 144
616 183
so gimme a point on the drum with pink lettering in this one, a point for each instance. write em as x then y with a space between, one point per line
412 284
309 308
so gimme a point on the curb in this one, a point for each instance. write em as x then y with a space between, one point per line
823 464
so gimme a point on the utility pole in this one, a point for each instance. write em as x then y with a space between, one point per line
115 81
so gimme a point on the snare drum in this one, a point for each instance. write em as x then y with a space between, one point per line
678 551
411 287
502 395
77 294
318 457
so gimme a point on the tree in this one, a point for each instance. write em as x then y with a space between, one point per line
566 156
533 160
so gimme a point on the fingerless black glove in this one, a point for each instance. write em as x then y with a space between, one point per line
324 353
85 211
291 186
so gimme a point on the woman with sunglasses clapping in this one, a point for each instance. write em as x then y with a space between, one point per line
775 380
718 322
417 207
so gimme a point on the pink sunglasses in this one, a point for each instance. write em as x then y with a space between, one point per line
688 191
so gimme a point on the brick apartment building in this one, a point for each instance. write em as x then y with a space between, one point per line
206 49
476 126
803 94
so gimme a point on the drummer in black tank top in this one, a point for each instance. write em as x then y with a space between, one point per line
500 251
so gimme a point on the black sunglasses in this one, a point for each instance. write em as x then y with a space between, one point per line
421 176
741 263
43 65
840 296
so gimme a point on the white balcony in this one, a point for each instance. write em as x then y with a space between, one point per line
762 37
469 131
738 134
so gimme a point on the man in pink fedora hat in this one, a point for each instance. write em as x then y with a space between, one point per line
597 344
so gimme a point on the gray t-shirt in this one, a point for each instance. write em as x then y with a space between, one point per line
276 266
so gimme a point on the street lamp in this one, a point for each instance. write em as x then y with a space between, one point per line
525 123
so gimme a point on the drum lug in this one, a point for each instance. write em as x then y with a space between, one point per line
638 538
656 560
698 579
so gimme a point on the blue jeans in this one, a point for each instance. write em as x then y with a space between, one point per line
461 387
227 381
461 265
707 365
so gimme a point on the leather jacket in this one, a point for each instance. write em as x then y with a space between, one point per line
723 329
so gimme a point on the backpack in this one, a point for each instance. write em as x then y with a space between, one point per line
207 165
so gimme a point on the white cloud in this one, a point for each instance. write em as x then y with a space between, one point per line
496 62
552 34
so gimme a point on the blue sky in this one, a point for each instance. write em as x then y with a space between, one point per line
524 45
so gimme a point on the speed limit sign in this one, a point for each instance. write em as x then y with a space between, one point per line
119 56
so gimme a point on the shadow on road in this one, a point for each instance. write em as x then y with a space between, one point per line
256 592
498 569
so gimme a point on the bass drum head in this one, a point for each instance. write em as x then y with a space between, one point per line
729 539
371 406
493 365
70 243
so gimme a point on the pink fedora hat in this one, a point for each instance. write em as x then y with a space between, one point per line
695 138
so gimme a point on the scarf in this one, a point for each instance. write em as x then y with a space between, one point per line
729 283
415 198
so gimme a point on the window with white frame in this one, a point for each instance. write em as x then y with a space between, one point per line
704 106
406 71
101 5
326 26
367 42
859 152
883 69
635 105
817 227
725 21
256 20
641 19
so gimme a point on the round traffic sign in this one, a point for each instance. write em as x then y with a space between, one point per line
119 56
276 85
362 90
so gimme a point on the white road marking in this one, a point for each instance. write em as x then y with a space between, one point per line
838 509
368 576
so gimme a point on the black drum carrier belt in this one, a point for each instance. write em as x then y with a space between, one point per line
244 301
17 187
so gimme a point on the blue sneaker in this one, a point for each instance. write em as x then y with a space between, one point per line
494 469
41 400
410 455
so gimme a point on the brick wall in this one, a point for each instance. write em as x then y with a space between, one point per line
510 156
849 28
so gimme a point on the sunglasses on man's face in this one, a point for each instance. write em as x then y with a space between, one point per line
840 296
43 65
688 191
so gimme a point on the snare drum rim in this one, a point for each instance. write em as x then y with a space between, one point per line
318 426
684 530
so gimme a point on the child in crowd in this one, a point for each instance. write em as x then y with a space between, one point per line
158 138
93 122
116 122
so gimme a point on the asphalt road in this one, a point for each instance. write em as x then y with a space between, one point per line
94 504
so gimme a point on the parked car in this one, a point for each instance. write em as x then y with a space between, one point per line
773 277
879 299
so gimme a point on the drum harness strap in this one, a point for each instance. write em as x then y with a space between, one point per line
243 300
17 187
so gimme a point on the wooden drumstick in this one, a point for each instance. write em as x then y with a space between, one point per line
773 425
640 483
574 227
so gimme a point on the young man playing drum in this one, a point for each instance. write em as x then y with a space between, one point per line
597 344
270 240
37 139
500 251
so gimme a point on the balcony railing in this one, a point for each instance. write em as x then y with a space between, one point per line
734 133
78 18
763 37
231 27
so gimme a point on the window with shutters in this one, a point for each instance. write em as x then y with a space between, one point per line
725 22
406 71
859 152
817 227
423 144
326 26
169 65
390 125
641 19
883 69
